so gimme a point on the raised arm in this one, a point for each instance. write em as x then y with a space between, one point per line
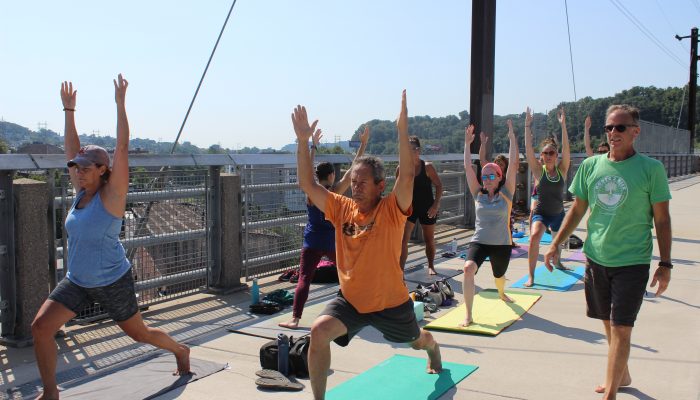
435 179
315 140
513 159
71 141
587 136
118 184
532 161
482 148
344 182
317 193
565 150
472 181
403 188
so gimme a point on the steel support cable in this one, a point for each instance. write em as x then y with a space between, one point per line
571 54
680 110
646 31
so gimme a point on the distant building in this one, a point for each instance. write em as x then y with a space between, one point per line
39 148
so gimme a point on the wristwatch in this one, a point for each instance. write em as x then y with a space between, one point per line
665 264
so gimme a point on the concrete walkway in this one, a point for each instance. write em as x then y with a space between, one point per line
554 352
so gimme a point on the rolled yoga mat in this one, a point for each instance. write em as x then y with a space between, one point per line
401 377
490 314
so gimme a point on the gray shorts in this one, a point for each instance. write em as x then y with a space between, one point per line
397 324
117 299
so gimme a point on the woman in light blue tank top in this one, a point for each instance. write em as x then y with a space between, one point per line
492 236
98 270
549 173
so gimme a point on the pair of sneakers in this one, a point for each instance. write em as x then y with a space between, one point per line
274 380
290 275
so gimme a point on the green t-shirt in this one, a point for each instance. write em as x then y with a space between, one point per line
620 196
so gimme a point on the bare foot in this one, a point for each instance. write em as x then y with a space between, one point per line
48 395
431 271
466 323
183 361
529 282
626 381
434 360
293 324
505 298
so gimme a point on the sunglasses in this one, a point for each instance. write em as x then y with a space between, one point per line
620 128
491 177
549 153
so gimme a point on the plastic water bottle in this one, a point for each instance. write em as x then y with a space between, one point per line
255 292
283 354
453 246
522 227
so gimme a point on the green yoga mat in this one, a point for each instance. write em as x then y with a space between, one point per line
401 377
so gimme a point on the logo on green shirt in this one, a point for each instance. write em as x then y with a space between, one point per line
610 192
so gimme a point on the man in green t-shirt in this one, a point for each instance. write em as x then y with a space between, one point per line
627 194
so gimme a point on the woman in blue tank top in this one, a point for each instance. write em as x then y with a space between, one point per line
550 181
492 236
98 270
319 234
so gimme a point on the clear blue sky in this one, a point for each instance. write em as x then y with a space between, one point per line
346 61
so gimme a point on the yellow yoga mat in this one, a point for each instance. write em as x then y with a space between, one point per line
491 314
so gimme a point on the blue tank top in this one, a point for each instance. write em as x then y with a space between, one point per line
319 234
95 255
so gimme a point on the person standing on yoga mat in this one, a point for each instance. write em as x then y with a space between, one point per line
98 270
627 193
549 178
492 235
425 207
502 162
368 232
318 233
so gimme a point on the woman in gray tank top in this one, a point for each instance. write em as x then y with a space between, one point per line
492 235
549 173
93 225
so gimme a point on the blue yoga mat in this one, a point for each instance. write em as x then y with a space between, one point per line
546 239
556 280
401 377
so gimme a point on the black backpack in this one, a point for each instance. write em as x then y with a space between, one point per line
575 242
298 356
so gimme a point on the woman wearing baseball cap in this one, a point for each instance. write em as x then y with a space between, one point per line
98 269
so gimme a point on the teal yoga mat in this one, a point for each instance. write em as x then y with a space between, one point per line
401 377
557 280
546 239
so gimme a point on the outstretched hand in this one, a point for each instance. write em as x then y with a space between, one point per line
561 116
587 122
511 131
484 138
301 125
120 85
364 136
402 120
469 135
316 138
528 117
551 258
68 95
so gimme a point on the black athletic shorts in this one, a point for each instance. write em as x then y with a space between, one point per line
615 293
397 324
499 255
421 214
117 299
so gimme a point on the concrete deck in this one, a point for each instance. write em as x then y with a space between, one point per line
553 352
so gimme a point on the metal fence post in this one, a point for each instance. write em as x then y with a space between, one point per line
8 294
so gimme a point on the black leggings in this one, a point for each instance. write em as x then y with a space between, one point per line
499 256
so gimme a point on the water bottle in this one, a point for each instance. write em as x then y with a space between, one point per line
522 227
453 246
255 292
283 354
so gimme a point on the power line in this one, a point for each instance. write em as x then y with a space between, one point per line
646 31
571 55
670 25
696 4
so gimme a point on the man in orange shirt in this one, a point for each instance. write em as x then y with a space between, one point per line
368 233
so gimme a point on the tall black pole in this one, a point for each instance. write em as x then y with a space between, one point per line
692 85
482 73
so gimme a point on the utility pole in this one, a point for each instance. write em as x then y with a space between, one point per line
692 83
483 54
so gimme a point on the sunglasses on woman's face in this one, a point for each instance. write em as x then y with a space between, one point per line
549 153
620 128
491 177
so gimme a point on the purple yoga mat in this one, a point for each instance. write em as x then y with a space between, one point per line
576 256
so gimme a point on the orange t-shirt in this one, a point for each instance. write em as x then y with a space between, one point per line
368 252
